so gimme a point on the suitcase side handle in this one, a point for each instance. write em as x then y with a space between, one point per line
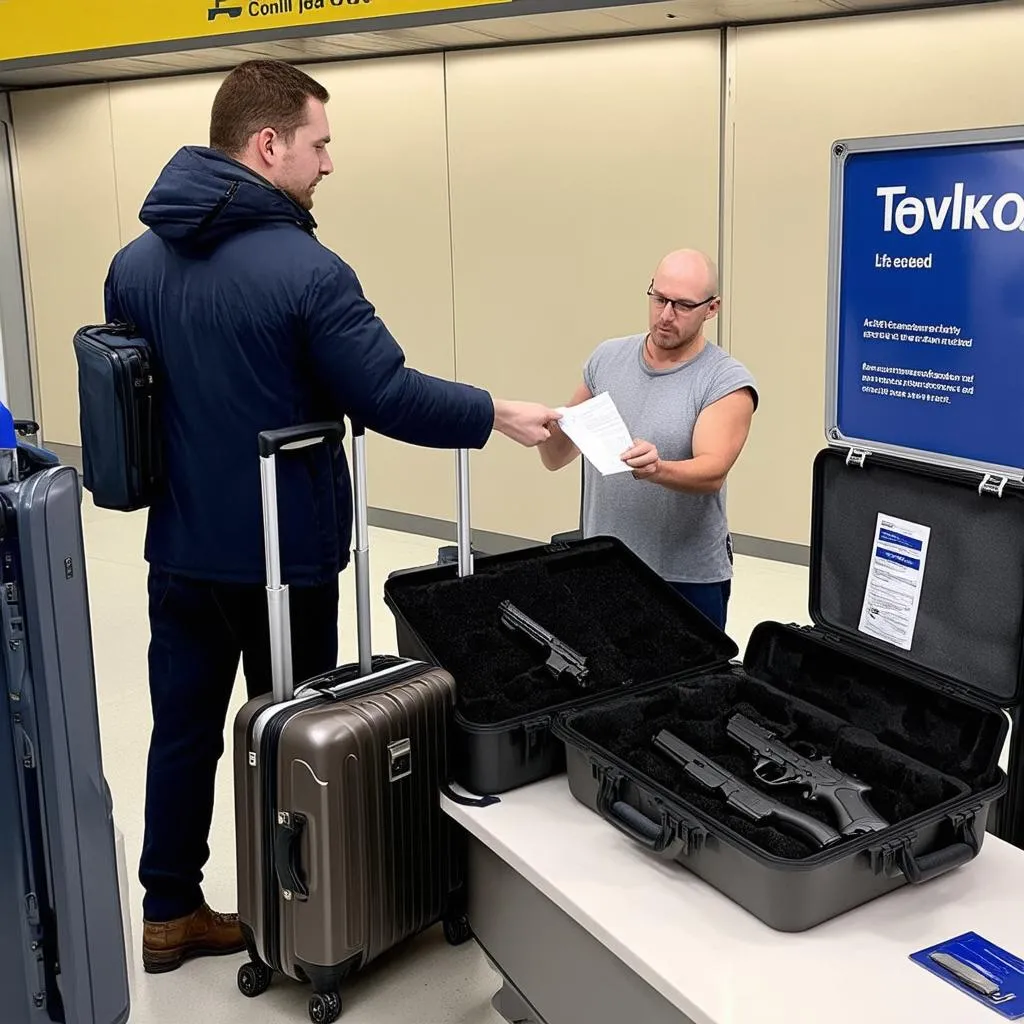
287 842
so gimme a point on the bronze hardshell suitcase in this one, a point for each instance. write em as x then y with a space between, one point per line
342 848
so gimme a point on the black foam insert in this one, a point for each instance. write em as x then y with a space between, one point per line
969 625
594 595
917 749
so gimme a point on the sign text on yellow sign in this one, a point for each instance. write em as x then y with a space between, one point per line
42 28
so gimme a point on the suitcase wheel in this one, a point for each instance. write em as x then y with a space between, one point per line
325 1007
253 979
457 931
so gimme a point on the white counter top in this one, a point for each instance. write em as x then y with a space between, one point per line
720 965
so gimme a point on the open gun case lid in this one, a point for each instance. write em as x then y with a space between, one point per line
594 595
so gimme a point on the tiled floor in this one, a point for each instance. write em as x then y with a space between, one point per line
426 983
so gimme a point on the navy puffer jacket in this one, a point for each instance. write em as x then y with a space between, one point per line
256 325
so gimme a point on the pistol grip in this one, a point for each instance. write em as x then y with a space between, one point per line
854 815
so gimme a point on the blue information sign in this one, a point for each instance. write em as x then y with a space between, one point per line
926 301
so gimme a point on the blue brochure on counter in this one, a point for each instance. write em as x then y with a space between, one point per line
980 969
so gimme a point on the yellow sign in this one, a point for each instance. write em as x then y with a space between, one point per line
43 28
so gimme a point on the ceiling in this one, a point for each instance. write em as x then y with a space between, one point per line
501 28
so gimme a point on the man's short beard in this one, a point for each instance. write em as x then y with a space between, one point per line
305 201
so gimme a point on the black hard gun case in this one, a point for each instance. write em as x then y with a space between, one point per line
62 943
923 728
594 595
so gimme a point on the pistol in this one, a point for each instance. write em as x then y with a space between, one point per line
775 764
741 797
562 659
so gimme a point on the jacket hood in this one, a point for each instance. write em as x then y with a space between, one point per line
203 197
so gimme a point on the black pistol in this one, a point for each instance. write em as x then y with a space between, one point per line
845 794
562 659
741 797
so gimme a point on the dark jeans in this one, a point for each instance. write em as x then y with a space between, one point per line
199 630
710 598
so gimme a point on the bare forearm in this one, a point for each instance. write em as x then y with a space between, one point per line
557 451
703 474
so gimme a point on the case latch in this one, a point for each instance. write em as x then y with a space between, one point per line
691 835
535 731
965 817
885 856
856 457
992 483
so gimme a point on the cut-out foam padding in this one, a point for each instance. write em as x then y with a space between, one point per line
959 739
594 596
915 748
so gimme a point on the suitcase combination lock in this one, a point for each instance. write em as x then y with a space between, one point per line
400 754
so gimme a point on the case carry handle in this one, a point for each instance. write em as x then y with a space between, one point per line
918 870
658 837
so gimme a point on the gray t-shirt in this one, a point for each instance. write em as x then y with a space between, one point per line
682 536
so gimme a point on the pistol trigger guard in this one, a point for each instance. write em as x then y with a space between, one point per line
784 774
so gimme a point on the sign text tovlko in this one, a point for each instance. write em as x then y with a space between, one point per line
960 211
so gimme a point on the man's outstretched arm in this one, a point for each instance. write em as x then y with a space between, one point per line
364 369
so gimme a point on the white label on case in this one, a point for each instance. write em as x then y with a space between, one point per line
895 574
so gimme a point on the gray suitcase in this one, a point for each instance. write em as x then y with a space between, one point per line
62 946
343 850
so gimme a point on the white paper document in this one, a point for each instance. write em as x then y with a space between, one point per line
893 591
596 428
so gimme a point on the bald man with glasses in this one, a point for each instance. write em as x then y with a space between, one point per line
689 405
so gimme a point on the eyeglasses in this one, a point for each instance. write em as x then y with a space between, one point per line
678 305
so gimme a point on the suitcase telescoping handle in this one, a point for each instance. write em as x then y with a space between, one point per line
464 534
277 442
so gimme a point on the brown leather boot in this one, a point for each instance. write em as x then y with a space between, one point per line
166 945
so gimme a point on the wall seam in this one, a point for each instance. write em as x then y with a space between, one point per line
20 216
451 219
113 164
727 181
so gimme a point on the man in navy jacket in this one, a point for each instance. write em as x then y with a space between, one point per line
255 325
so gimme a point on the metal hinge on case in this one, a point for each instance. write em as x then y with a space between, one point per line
856 457
992 484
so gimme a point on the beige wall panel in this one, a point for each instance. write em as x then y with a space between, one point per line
574 169
385 212
151 121
798 88
65 170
